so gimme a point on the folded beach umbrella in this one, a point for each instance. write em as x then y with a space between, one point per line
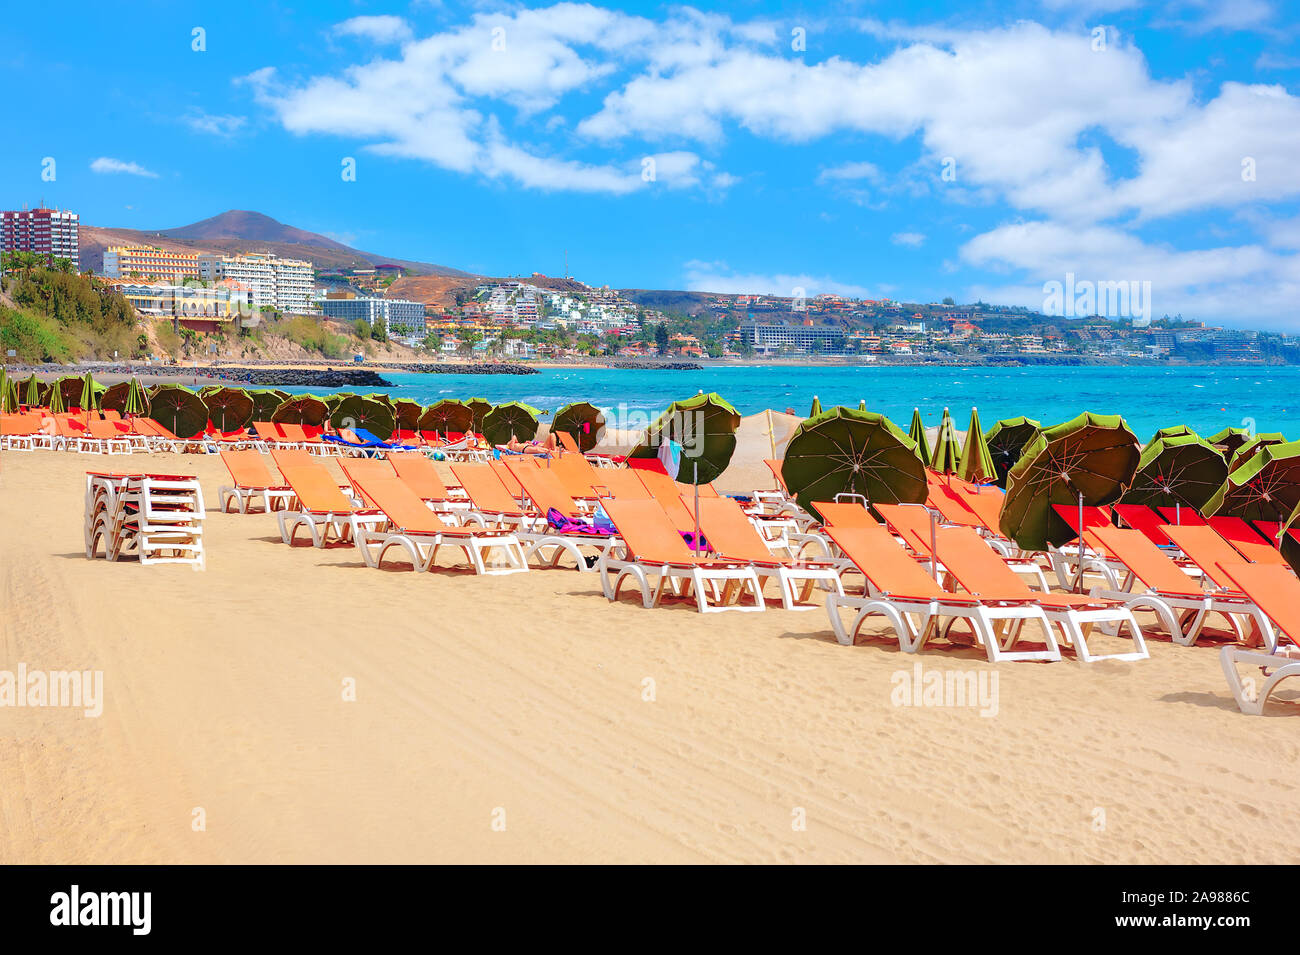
55 399
480 407
88 399
862 404
408 413
976 464
33 392
947 449
1006 440
1265 488
301 409
1247 450
1087 461
448 415
364 411
180 410
917 434
137 399
229 409
8 394
265 401
846 451
1229 440
582 421
1177 471
514 419
816 407
705 428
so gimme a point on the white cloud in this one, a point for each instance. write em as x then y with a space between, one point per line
105 165
913 240
217 125
717 277
380 29
849 171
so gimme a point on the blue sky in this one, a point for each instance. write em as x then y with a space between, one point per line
744 147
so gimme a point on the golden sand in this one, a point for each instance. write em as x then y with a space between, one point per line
523 700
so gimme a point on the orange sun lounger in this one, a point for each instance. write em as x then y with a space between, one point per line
1276 591
251 478
319 506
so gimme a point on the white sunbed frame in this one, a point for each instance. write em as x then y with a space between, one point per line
676 579
422 548
1249 700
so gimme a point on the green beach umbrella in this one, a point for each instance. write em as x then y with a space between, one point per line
265 401
448 416
1173 431
114 397
90 392
1229 440
1247 450
229 409
917 434
512 419
582 421
364 411
180 410
480 407
705 427
1089 460
976 464
846 451
1182 470
301 409
1007 440
947 449
862 404
1265 488
8 394
1287 543
408 413
56 400
816 407
33 392
69 388
137 399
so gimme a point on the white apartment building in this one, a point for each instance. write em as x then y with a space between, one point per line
285 284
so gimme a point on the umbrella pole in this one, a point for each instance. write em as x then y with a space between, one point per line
934 546
696 542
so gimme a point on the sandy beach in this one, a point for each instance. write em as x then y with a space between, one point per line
525 700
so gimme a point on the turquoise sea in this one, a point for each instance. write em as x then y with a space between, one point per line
1204 398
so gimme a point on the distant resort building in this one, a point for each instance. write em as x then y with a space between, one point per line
48 232
195 305
772 337
400 318
144 261
285 284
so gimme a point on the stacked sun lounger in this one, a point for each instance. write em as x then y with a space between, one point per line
156 517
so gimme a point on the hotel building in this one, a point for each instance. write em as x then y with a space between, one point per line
285 284
49 232
143 261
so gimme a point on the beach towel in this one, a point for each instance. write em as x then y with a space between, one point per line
567 525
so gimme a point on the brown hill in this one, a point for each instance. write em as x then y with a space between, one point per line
242 231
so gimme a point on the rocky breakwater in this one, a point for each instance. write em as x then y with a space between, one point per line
298 377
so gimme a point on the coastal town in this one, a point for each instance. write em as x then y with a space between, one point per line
215 293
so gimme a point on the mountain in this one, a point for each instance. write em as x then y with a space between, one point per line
242 231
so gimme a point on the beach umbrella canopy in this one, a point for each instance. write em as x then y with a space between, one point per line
582 421
1092 455
117 398
1287 543
816 407
1229 439
408 413
448 415
514 419
976 464
480 407
705 428
917 434
90 392
1007 440
180 410
846 451
384 399
1247 450
33 392
56 403
363 411
8 394
265 401
301 409
1173 431
229 409
947 449
1182 470
1265 488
